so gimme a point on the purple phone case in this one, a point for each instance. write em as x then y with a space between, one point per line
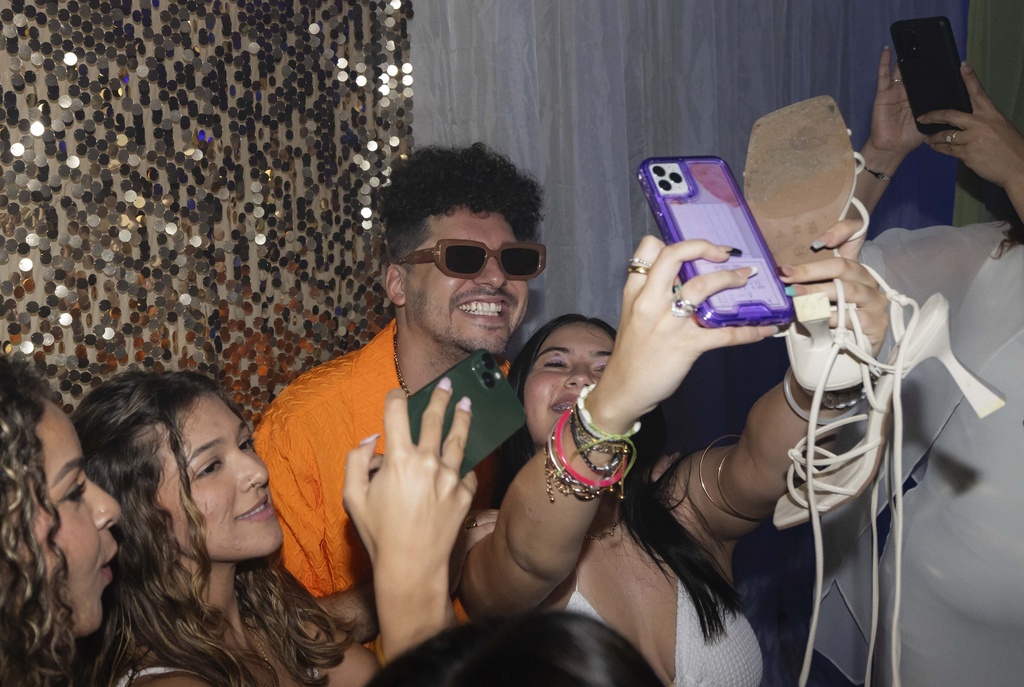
713 209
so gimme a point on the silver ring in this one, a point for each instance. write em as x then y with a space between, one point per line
683 308
952 139
639 262
949 139
897 80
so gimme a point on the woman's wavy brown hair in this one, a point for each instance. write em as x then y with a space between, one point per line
36 641
160 616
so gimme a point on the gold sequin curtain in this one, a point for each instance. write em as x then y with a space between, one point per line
190 185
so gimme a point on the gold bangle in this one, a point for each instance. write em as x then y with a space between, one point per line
727 509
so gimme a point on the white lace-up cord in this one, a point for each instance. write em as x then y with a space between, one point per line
807 459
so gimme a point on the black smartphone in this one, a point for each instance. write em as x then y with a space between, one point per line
497 413
930 66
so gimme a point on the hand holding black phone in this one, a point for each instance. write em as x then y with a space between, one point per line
497 413
930 66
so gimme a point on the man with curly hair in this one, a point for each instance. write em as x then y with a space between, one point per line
447 212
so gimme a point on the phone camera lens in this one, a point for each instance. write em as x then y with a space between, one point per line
664 185
489 381
488 361
658 170
676 177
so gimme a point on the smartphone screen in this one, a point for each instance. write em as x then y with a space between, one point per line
697 198
497 412
930 67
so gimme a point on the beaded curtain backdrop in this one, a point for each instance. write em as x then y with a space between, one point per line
191 184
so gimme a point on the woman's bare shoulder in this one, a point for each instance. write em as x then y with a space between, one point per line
178 678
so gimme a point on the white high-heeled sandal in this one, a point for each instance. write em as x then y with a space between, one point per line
798 184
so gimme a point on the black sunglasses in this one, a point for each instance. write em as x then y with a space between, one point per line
465 259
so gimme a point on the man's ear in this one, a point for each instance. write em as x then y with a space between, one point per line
394 284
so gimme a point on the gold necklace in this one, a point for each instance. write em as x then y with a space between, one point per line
604 535
401 380
262 652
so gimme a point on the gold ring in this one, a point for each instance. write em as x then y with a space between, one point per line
952 139
638 269
470 523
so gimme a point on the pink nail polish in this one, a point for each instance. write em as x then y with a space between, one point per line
465 403
445 384
370 439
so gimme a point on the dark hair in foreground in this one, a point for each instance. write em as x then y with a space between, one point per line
160 616
542 650
36 640
647 509
436 181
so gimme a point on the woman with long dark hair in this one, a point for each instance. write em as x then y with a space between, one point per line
55 541
646 543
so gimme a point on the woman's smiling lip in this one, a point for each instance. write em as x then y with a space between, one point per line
261 511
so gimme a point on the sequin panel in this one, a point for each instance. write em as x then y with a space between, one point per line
190 185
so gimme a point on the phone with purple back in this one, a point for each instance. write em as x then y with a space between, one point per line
697 198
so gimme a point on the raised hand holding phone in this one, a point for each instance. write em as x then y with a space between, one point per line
409 513
696 198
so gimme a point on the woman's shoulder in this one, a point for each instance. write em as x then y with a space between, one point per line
163 677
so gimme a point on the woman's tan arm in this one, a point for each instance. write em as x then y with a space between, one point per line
753 475
536 542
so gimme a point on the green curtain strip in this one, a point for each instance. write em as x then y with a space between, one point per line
994 49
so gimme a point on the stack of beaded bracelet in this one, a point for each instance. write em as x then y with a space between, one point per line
562 476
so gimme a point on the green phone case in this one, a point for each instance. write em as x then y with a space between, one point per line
497 413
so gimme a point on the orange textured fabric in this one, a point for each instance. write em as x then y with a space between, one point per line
304 438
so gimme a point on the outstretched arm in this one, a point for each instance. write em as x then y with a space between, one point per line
753 473
540 532
893 136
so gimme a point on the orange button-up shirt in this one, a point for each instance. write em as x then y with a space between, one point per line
304 439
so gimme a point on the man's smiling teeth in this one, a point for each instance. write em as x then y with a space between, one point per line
480 308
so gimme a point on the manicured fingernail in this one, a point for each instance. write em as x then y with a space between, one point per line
751 271
734 252
465 403
445 384
790 290
817 245
370 439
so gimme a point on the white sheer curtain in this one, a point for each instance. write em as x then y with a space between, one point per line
579 92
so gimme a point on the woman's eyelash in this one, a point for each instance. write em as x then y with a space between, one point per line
212 467
555 363
246 445
76 494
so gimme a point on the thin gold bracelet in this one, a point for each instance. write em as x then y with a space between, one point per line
727 509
